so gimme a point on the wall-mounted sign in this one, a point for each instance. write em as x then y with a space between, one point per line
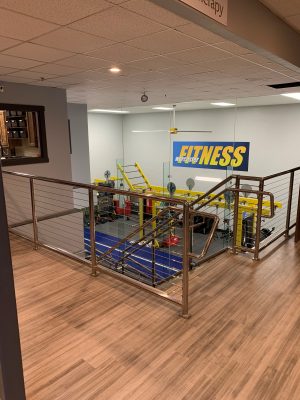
211 155
215 9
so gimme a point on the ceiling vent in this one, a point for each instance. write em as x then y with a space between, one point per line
285 85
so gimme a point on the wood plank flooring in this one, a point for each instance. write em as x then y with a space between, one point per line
92 339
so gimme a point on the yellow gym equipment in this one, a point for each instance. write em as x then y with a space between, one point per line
137 181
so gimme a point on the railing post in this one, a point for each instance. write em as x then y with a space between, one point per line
289 208
297 233
34 218
92 233
186 262
258 220
236 214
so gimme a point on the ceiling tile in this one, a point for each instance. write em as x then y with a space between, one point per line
148 76
154 63
4 70
18 26
31 75
117 24
85 62
185 70
6 43
89 75
200 33
37 52
75 41
56 69
199 55
232 48
65 79
57 11
120 53
15 62
164 42
48 84
154 12
9 78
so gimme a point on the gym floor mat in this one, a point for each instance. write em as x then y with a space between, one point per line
139 263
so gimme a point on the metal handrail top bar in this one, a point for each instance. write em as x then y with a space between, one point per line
106 189
281 173
149 195
212 190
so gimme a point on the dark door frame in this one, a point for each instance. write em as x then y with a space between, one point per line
11 369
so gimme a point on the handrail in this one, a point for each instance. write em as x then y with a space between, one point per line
137 230
211 191
258 192
211 233
288 171
87 186
99 188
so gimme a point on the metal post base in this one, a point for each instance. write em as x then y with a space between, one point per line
184 316
94 272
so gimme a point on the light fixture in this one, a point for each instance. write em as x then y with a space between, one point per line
162 108
292 95
100 110
115 70
207 179
223 104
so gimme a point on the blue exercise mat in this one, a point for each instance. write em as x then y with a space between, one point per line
167 265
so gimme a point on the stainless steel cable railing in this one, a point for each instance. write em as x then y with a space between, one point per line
148 240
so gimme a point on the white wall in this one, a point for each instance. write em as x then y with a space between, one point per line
54 101
80 158
105 143
273 133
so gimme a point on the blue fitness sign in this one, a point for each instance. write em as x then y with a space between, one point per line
212 155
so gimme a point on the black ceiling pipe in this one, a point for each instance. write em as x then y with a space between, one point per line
11 369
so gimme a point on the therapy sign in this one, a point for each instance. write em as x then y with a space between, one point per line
215 9
211 155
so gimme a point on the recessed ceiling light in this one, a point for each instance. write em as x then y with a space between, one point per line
114 70
100 110
207 179
292 95
163 108
223 104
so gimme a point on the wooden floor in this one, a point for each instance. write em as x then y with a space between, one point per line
87 339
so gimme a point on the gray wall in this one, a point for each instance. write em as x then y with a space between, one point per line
80 158
50 198
55 104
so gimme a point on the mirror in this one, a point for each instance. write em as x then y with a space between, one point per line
22 134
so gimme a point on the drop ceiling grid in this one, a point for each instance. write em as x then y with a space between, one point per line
159 53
